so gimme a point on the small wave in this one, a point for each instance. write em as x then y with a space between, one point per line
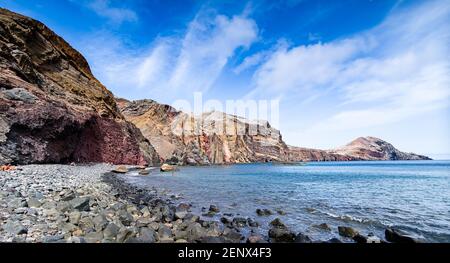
349 218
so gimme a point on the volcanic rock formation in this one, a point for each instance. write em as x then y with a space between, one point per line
52 109
212 138
374 149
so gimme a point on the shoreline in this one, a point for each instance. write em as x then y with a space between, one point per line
91 204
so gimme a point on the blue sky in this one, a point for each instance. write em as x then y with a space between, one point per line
341 69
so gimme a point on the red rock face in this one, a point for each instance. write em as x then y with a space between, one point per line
52 109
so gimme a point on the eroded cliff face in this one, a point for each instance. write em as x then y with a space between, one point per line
212 138
52 109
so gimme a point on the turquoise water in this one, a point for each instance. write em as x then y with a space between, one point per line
369 196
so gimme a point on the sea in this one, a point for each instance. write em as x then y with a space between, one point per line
413 196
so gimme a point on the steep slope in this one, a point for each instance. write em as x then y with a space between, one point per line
371 148
213 138
52 109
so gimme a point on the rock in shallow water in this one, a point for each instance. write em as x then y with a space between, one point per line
214 208
277 223
360 239
144 172
301 238
334 241
121 170
240 222
399 236
281 235
347 231
263 212
168 168
323 226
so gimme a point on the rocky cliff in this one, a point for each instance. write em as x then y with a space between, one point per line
218 138
371 148
299 154
212 138
52 109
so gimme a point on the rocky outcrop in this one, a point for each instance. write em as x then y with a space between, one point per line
374 149
298 154
52 109
361 149
212 138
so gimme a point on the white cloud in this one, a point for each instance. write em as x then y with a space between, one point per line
249 62
172 67
205 50
116 15
258 58
392 72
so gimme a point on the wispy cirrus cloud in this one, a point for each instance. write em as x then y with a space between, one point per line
396 70
107 9
210 41
173 66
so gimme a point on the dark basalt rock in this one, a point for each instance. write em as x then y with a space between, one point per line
263 212
240 222
214 208
302 238
347 231
334 241
399 236
279 233
360 239
277 223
